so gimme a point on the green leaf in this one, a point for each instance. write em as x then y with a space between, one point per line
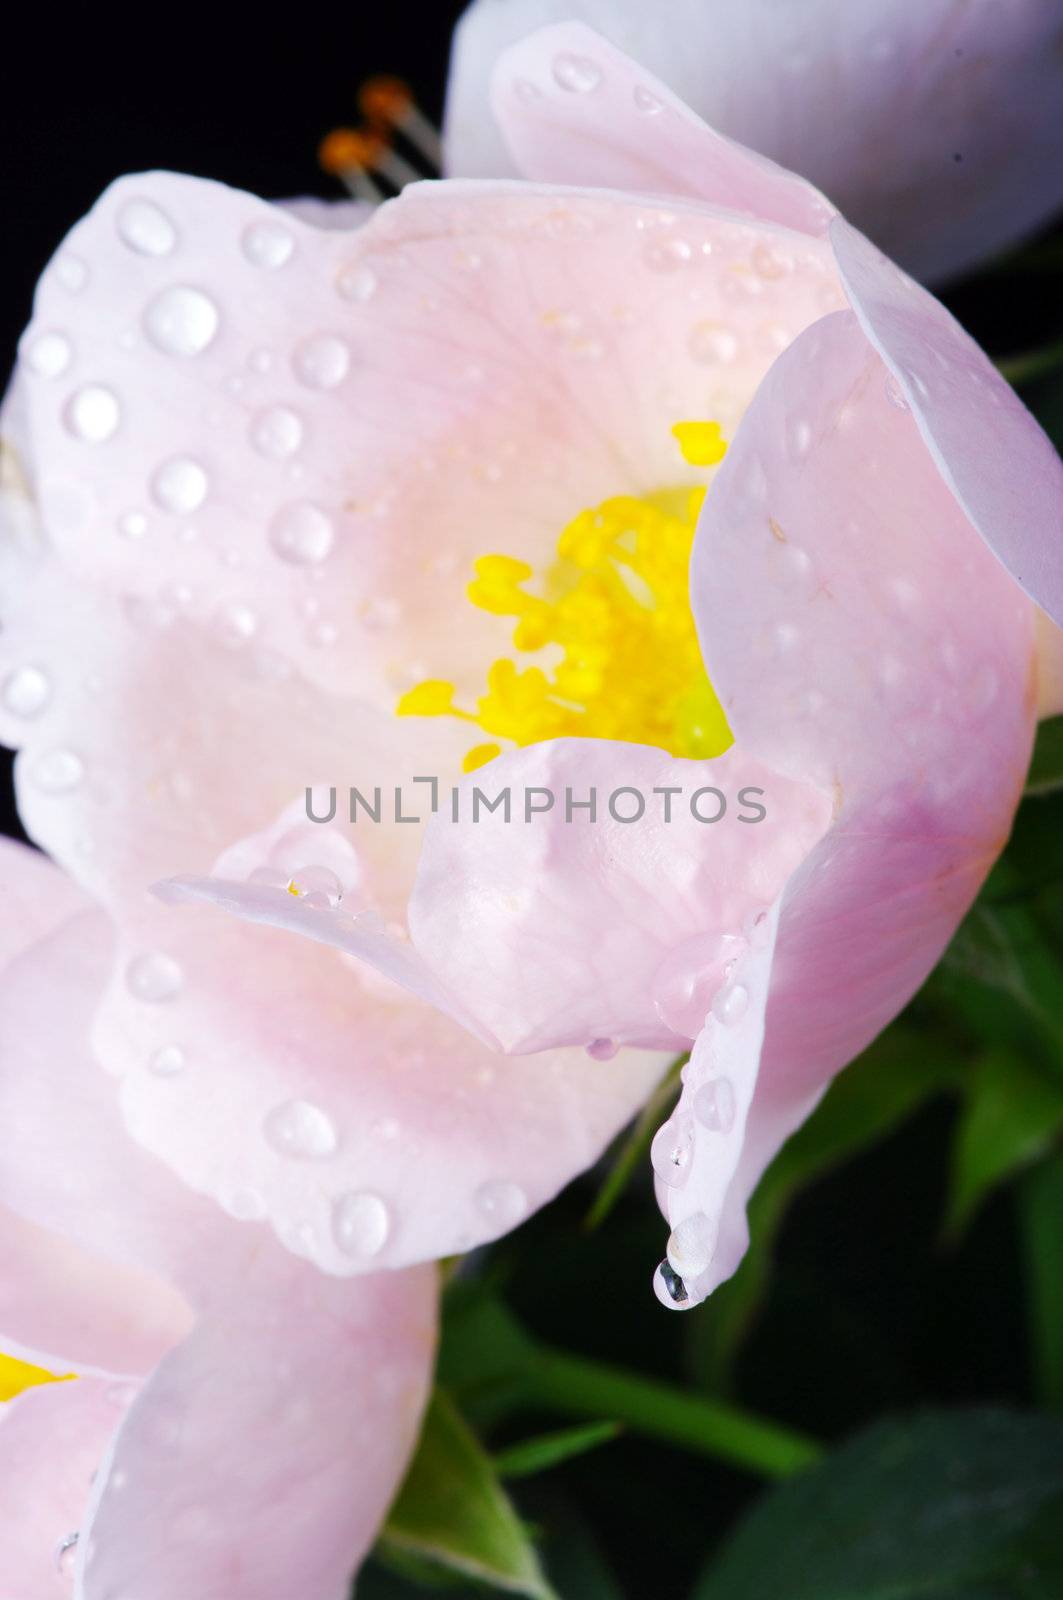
886 1084
999 951
550 1449
957 1505
635 1145
1041 1232
1011 1113
452 1512
1046 765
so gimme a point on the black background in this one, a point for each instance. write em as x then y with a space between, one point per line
868 1312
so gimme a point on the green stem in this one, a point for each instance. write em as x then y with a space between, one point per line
1040 1201
1032 364
581 1388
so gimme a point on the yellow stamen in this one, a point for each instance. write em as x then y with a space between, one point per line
18 1375
620 654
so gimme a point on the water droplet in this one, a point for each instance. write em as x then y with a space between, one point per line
691 1245
26 692
714 1105
360 1225
577 74
267 244
800 437
144 227
315 880
58 771
649 104
668 255
322 361
168 1061
302 534
133 524
895 394
755 929
299 1128
71 272
154 976
277 432
244 1205
711 344
234 623
92 413
731 1004
526 91
48 356
769 263
66 1556
357 281
181 321
670 1289
602 1049
672 1150
180 485
502 1202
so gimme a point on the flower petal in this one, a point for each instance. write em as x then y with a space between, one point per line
950 113
995 458
573 109
902 675
260 1459
52 1439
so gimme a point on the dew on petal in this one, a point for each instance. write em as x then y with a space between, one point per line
302 534
267 244
26 692
71 272
181 321
234 624
66 1556
670 1289
277 432
602 1049
48 356
145 228
357 282
731 1003
154 976
179 485
168 1061
577 74
132 524
322 361
243 1205
299 1128
672 1150
711 344
668 255
58 771
691 1245
315 880
714 1105
92 413
361 1223
646 102
895 394
503 1202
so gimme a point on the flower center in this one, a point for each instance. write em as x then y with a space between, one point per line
611 624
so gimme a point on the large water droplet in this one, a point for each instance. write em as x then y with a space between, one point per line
360 1225
48 356
277 432
691 1245
322 361
144 227
267 244
316 881
731 1004
154 976
299 1128
92 413
577 74
181 321
26 692
180 485
58 771
502 1202
714 1105
672 1150
670 1289
302 533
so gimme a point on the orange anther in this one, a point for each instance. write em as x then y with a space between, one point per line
384 100
350 150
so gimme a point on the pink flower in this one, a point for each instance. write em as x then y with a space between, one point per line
241 1422
934 127
264 457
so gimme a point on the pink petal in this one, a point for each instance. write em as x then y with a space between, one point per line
260 1459
573 109
914 87
36 898
52 1439
903 678
995 458
562 930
